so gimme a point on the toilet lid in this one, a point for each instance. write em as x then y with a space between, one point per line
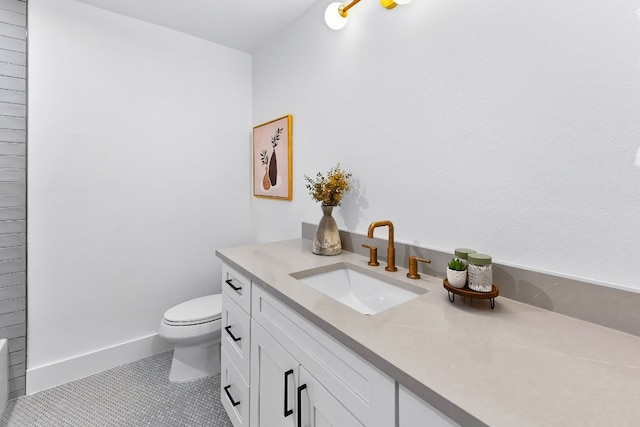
194 311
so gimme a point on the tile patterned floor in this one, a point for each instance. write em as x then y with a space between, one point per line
137 394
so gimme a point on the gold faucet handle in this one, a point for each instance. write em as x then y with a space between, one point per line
373 254
413 266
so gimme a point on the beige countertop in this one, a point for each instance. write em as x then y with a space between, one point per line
516 365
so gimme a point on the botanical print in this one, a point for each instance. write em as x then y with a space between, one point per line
272 159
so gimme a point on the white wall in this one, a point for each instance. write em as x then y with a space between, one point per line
507 126
139 147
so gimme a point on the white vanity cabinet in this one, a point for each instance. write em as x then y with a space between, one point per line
274 381
285 394
278 369
413 411
321 408
235 340
298 371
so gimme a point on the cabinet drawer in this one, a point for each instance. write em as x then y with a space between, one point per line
236 335
237 286
234 392
367 392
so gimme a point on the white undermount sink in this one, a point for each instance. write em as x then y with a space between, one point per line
358 287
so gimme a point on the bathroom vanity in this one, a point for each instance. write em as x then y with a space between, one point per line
288 364
293 356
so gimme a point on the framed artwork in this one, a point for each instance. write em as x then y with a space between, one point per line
272 159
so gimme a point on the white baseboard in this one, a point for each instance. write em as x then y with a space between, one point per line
46 376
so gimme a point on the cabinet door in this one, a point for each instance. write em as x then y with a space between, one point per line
319 408
368 393
413 411
274 379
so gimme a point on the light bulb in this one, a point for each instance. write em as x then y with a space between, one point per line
333 18
390 4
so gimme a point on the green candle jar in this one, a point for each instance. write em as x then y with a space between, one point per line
480 272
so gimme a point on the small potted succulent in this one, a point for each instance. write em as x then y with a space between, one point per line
457 273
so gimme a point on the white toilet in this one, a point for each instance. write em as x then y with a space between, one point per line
194 328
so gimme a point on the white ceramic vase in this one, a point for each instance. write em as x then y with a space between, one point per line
457 279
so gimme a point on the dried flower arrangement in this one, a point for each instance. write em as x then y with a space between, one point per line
330 189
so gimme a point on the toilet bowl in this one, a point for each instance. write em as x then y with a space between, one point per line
194 328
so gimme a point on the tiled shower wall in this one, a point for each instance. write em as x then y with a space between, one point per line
13 227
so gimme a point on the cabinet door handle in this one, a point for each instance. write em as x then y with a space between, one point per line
227 328
302 387
234 287
287 412
233 402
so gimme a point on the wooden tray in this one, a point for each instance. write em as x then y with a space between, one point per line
466 292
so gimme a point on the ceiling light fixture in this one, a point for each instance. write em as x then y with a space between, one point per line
336 14
390 4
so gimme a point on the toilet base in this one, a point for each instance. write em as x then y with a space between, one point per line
194 362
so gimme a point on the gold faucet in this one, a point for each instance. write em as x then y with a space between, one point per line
391 250
373 255
413 266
